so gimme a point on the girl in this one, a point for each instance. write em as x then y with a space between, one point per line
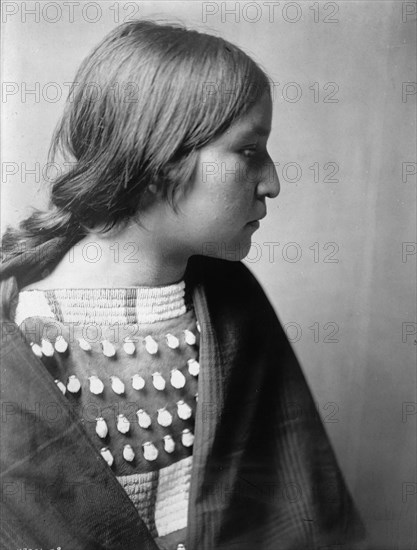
154 400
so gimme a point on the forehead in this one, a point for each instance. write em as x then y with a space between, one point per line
257 121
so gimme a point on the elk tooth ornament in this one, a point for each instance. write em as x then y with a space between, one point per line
61 345
36 350
158 381
61 386
169 444
144 420
177 379
164 418
193 367
106 454
123 424
198 326
101 427
184 411
128 453
187 438
138 383
47 348
108 348
84 345
96 385
117 385
73 385
172 341
129 346
190 338
150 452
150 345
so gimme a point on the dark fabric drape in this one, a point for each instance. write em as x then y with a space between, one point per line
264 473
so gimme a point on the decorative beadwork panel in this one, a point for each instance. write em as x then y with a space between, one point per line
134 388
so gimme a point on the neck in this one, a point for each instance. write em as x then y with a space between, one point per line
133 256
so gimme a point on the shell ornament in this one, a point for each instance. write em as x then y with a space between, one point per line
73 384
150 452
138 383
177 379
144 420
164 418
193 367
96 385
61 345
150 345
101 427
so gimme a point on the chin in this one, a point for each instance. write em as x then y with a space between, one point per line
245 251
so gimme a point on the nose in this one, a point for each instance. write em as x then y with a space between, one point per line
269 186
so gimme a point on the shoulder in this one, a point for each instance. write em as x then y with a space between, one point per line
231 284
30 265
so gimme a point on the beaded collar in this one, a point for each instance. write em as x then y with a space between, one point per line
105 306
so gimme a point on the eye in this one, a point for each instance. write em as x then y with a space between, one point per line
249 152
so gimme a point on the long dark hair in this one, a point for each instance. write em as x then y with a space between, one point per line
142 104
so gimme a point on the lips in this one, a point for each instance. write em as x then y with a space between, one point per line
258 219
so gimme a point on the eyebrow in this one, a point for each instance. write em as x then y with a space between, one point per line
261 131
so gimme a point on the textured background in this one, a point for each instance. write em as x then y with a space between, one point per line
332 254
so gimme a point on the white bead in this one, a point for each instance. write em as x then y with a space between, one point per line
196 396
172 341
61 386
138 383
61 345
36 350
158 381
96 385
101 427
187 438
190 337
106 454
128 453
117 385
184 411
164 418
193 367
129 347
177 379
108 348
73 385
47 348
123 424
169 444
198 326
150 345
84 345
150 452
181 547
144 420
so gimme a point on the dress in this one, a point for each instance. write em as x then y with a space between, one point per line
262 477
127 361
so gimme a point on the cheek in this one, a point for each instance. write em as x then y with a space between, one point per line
233 188
224 189
228 205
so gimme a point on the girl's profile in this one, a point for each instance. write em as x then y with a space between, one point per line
151 393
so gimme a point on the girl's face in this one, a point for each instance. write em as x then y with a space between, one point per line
217 215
